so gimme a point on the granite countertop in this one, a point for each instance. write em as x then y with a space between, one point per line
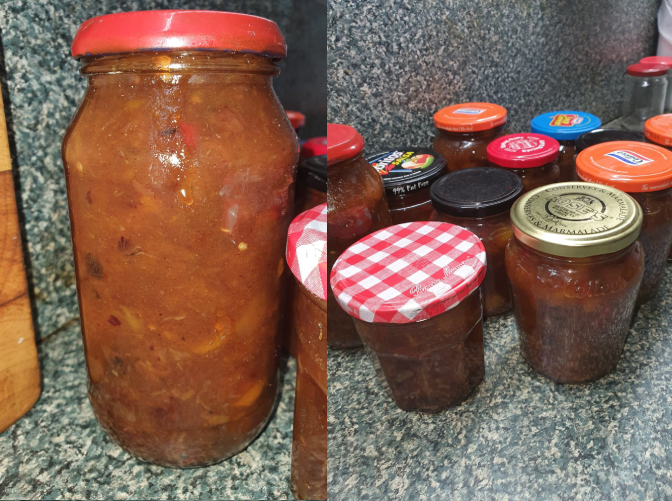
58 451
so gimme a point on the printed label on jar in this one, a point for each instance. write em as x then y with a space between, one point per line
629 157
523 144
406 171
469 111
565 120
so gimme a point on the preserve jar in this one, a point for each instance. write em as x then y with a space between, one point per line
575 267
297 119
531 157
665 61
658 130
418 310
643 171
644 94
408 174
307 258
565 127
464 132
180 166
599 136
356 206
480 200
314 146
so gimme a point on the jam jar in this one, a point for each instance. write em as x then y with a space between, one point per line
408 174
418 310
313 147
356 206
658 130
464 132
307 258
180 166
532 157
480 200
644 171
575 266
565 127
599 136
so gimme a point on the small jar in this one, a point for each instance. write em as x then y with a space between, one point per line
356 207
599 136
644 95
644 171
408 174
297 119
313 147
480 200
464 132
418 310
665 61
532 157
658 130
565 127
575 267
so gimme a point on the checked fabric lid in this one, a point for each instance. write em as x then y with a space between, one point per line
408 272
307 249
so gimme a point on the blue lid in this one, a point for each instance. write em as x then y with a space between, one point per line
565 125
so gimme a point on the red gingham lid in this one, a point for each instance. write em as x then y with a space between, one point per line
408 272
307 249
521 151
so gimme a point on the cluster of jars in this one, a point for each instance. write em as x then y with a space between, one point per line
575 226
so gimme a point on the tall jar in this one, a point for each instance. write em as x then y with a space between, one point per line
644 94
665 61
180 166
356 207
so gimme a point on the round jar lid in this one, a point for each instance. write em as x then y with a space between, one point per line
667 61
522 151
313 172
599 136
307 249
564 125
470 117
628 166
576 219
406 170
647 70
178 30
476 192
297 119
408 272
659 129
343 143
314 146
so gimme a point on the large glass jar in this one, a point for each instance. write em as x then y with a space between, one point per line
644 94
644 171
575 268
464 132
420 318
357 206
480 200
408 175
180 169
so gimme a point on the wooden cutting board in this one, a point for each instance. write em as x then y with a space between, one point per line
19 370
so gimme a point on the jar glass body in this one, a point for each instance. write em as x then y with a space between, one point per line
643 98
573 314
465 149
566 161
534 177
411 207
180 169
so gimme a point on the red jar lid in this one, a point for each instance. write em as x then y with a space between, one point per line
297 119
470 117
647 70
314 147
178 29
522 151
343 142
307 249
659 129
667 61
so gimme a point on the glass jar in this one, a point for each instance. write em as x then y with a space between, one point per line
644 171
531 157
658 130
180 195
408 174
575 268
565 127
421 321
464 132
644 95
357 206
480 200
665 61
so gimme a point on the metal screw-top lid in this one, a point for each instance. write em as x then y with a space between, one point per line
576 219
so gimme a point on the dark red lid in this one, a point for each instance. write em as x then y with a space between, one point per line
314 147
343 142
667 61
521 151
647 70
178 29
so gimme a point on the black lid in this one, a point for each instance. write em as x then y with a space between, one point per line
598 136
313 173
407 169
476 192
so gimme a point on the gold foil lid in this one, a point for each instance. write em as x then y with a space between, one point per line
576 219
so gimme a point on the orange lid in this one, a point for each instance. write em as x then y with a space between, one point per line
659 129
470 117
626 165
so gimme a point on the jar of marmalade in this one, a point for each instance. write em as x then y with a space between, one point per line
575 267
464 132
418 310
356 207
658 130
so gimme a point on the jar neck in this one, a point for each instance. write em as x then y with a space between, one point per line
575 260
488 133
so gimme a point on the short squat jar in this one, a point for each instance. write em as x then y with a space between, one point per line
464 132
480 200
575 267
644 171
425 336
408 175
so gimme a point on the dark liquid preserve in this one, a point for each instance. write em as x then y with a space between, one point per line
465 150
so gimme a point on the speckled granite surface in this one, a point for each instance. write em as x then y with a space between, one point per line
58 451
393 63
519 436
